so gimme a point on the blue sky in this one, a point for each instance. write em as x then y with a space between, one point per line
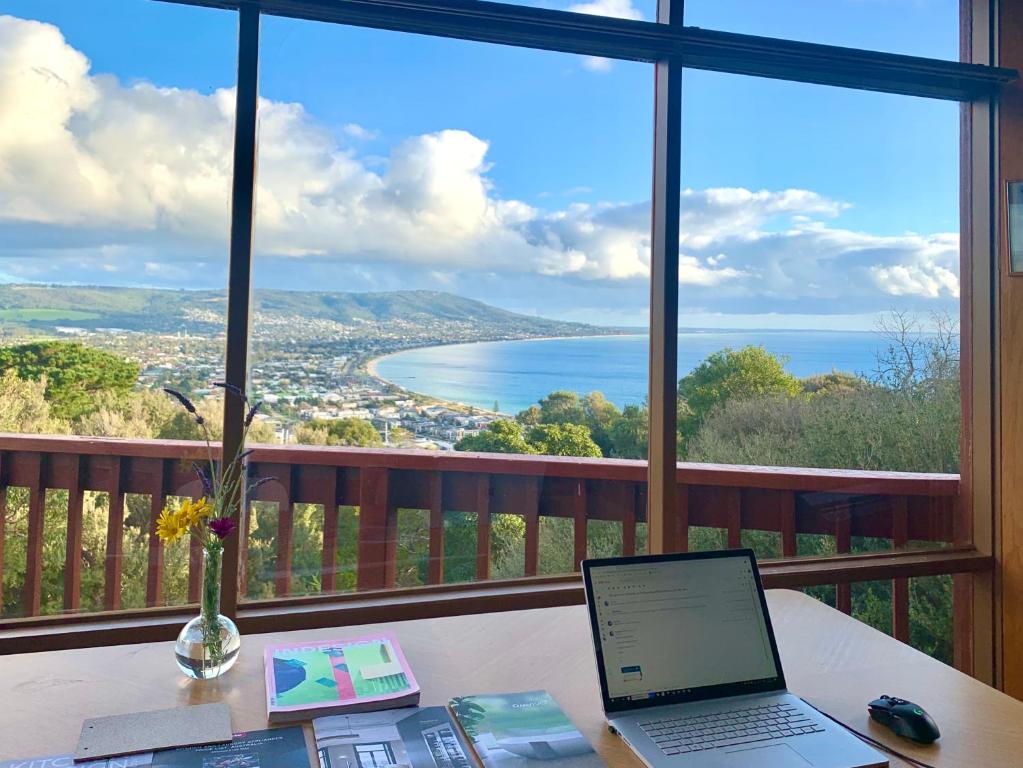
517 177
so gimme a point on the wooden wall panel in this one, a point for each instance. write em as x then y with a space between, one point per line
1010 345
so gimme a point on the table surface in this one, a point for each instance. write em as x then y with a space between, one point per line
833 661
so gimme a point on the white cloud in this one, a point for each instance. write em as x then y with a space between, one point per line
597 64
358 132
619 9
96 175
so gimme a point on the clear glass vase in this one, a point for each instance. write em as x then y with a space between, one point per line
208 645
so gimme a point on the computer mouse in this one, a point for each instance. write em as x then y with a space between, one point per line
904 718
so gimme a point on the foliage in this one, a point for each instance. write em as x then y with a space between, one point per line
730 375
506 436
182 426
563 440
501 436
137 415
344 432
24 407
73 373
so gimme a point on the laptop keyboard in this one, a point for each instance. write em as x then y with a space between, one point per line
681 735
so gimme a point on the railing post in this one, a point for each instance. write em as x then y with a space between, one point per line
34 554
682 518
285 531
733 516
787 523
376 530
483 528
3 522
73 548
115 538
157 495
843 544
532 515
435 565
579 542
900 587
326 492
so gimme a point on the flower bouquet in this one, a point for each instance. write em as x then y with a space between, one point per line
208 645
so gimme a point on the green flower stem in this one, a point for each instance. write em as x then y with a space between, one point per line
209 608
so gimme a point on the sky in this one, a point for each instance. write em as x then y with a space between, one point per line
521 178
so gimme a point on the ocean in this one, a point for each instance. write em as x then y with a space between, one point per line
515 374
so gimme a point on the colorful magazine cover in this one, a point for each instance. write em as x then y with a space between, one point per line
332 677
522 730
409 737
274 748
67 761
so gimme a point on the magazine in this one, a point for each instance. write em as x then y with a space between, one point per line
143 760
359 674
275 748
522 730
409 737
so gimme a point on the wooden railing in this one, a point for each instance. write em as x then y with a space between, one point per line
900 508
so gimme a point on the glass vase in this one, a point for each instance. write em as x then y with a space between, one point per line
208 645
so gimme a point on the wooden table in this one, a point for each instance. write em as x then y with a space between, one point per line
833 661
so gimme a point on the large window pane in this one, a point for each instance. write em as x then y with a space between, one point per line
460 266
115 168
915 27
829 337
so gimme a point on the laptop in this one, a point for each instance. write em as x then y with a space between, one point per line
689 669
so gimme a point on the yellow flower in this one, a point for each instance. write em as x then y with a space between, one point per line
168 526
192 512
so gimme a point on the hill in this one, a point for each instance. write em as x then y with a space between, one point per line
46 307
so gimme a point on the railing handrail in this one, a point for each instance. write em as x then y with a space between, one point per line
633 470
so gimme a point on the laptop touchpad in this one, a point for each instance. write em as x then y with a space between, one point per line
773 756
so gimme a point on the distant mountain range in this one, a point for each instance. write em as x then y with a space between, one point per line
45 307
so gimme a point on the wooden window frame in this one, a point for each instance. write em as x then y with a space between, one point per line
671 47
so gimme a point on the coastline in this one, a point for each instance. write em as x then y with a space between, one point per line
369 367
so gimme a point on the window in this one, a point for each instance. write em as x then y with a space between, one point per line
426 209
448 269
115 145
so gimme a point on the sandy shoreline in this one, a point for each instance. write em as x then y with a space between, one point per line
371 365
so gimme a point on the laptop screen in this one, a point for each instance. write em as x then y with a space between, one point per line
683 627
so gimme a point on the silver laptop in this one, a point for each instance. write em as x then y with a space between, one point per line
689 668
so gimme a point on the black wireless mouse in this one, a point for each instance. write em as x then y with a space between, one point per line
904 718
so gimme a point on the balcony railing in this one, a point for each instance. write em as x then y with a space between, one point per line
903 510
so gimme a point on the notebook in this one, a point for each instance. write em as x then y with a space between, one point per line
356 674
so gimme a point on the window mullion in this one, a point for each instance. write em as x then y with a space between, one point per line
664 244
239 287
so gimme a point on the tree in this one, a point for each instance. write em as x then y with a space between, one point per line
138 415
836 381
563 440
501 436
73 373
561 407
630 433
24 407
731 374
343 432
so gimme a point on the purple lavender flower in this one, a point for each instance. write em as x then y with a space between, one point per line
252 413
181 399
207 486
232 389
223 527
